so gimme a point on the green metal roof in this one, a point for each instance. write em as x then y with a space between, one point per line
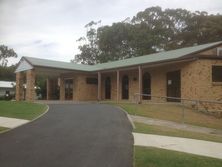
57 64
146 59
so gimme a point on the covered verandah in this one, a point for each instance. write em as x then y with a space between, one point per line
112 84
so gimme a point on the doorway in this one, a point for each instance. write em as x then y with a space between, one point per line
107 88
173 86
125 87
68 89
146 86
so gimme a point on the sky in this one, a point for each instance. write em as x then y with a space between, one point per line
49 28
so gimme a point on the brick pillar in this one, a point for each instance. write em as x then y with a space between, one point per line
19 86
99 86
140 84
48 89
117 86
62 88
30 85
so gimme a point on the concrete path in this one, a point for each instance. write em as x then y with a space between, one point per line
199 147
12 122
171 124
69 135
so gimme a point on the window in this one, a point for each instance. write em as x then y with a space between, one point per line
92 81
217 73
219 51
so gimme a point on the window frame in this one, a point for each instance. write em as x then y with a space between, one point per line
215 78
219 50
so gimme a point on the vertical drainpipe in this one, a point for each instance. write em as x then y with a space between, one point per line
99 86
140 83
117 86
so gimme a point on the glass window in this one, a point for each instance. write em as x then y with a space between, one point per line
92 81
217 73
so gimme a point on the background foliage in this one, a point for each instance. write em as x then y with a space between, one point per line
6 72
149 31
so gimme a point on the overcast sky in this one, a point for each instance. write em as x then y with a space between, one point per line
50 28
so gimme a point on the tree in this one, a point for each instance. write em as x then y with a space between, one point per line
7 73
89 48
6 53
114 42
149 31
202 28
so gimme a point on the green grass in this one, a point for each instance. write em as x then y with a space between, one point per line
172 112
22 110
154 157
161 130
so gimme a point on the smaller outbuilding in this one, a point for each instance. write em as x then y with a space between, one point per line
7 89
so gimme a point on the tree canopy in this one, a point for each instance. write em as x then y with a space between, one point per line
6 53
6 73
149 31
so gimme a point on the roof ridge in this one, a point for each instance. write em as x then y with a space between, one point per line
28 57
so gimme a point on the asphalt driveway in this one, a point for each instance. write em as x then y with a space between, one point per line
77 135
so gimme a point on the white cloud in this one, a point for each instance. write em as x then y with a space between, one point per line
50 28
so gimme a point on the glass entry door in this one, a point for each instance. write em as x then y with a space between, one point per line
125 87
68 89
173 86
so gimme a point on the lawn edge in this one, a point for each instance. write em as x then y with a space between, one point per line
9 129
177 136
203 156
133 126
128 116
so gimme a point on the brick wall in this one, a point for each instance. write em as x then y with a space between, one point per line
210 52
62 88
197 81
19 86
30 85
82 90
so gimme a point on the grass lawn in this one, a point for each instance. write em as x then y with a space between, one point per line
172 112
23 110
160 130
155 157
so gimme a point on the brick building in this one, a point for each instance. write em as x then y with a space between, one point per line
193 73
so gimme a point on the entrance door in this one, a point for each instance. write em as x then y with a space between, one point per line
125 87
69 89
146 86
107 88
173 85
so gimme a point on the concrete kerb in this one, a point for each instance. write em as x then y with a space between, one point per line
191 146
128 116
133 125
47 109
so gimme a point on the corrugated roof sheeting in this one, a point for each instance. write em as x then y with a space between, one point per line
151 58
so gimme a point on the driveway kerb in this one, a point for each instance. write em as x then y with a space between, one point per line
9 129
128 116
